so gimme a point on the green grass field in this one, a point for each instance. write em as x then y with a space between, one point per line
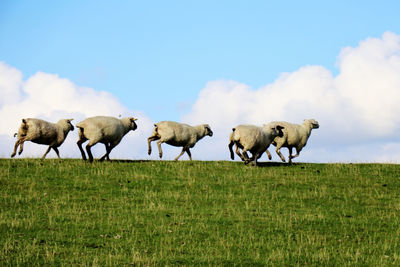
68 212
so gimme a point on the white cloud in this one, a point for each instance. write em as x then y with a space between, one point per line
10 82
51 98
357 107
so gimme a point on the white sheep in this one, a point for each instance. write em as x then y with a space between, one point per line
42 132
103 129
178 134
254 139
294 136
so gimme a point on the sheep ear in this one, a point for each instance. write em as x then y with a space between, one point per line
133 119
69 120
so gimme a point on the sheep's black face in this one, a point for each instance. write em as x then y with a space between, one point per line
71 127
133 124
314 123
208 131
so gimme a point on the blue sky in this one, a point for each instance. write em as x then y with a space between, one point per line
157 57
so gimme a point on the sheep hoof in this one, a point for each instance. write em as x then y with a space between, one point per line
13 155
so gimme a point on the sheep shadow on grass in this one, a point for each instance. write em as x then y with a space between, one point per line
273 164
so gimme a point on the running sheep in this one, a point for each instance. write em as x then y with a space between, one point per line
178 134
254 139
294 136
42 132
102 129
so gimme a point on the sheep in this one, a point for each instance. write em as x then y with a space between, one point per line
294 135
254 139
42 132
178 134
103 129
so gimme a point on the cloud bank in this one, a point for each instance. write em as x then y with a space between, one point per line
51 98
358 109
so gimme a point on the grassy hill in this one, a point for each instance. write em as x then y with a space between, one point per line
68 212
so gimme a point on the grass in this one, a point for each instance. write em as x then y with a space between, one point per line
68 212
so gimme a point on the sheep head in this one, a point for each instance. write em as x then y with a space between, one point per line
208 130
275 130
66 124
70 124
132 125
313 123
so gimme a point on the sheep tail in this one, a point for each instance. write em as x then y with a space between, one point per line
81 132
231 143
25 124
24 127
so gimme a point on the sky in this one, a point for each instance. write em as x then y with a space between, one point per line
223 63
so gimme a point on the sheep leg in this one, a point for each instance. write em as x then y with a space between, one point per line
256 156
21 146
16 147
109 147
183 151
89 152
189 154
278 151
268 154
159 142
47 151
238 153
151 139
105 155
245 156
230 150
56 150
79 143
109 151
290 154
297 153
